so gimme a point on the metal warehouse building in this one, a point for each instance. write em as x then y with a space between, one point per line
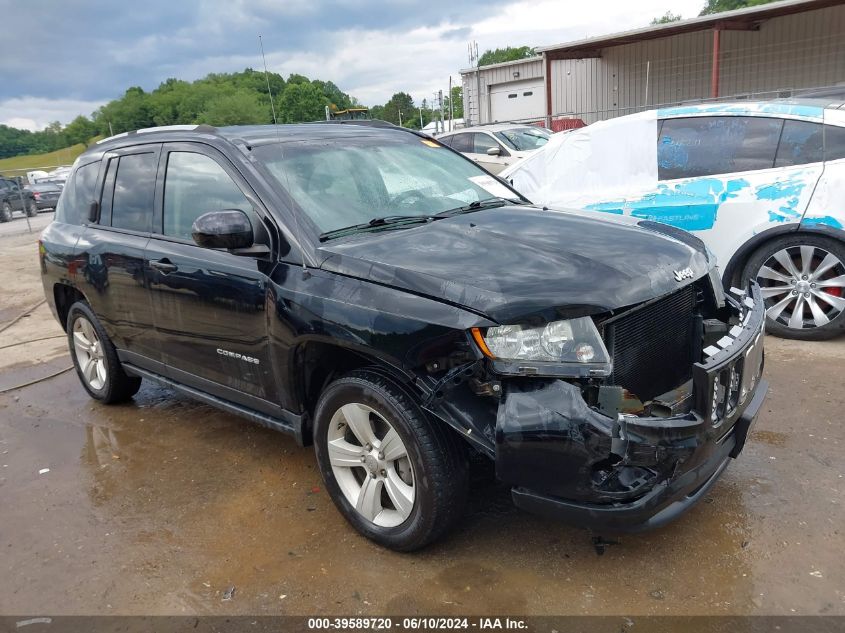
773 50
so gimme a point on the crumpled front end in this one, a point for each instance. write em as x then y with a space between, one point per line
623 462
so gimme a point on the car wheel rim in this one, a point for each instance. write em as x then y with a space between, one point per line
370 464
89 353
803 286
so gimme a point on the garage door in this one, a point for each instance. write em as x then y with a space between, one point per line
517 100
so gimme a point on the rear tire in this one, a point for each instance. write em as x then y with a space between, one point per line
802 278
398 478
95 358
5 212
32 208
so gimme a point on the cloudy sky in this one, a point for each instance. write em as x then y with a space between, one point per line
59 59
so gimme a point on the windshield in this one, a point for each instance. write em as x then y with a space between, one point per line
524 139
346 181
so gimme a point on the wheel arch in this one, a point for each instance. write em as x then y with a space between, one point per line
65 295
731 272
321 362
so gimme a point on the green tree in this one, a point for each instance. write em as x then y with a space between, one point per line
217 98
666 18
400 102
507 54
338 100
293 78
80 130
240 108
457 100
302 101
130 112
717 6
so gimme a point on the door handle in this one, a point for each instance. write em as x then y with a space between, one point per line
163 265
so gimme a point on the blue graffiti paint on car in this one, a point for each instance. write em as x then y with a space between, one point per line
788 194
781 109
824 220
691 205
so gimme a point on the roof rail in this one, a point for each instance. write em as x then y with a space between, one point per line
364 122
207 129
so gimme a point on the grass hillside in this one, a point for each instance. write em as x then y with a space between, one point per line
19 165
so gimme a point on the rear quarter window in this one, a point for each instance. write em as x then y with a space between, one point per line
75 202
801 142
834 142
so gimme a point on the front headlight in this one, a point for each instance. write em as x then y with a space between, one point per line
570 341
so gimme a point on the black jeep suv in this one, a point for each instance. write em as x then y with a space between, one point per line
14 198
375 293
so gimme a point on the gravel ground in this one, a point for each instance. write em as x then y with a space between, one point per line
162 505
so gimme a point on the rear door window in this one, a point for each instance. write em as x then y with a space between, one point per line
462 143
704 146
801 142
134 191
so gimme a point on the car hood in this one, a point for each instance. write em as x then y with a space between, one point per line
517 262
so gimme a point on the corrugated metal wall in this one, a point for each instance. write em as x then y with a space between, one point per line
797 51
803 50
499 74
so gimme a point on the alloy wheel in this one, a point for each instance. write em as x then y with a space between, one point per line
803 286
370 464
89 353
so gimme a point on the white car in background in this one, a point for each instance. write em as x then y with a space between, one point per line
499 145
762 184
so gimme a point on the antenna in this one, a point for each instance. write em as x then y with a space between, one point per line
279 141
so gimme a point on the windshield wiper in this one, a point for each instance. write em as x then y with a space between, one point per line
377 223
480 204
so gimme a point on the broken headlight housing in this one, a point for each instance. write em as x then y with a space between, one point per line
570 342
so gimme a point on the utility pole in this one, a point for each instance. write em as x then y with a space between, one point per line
400 115
473 61
440 97
421 123
451 107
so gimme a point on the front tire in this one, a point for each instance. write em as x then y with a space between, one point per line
5 212
95 358
399 479
802 279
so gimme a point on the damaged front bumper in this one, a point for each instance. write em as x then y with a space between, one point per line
570 461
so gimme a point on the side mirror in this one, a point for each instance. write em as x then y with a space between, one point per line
494 151
229 228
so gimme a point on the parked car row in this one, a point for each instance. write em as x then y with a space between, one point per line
29 200
497 146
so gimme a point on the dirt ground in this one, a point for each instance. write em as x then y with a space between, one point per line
161 505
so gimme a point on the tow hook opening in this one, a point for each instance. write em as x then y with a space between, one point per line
611 478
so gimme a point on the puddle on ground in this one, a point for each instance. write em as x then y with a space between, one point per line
771 438
161 504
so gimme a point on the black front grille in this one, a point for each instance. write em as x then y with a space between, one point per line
652 346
